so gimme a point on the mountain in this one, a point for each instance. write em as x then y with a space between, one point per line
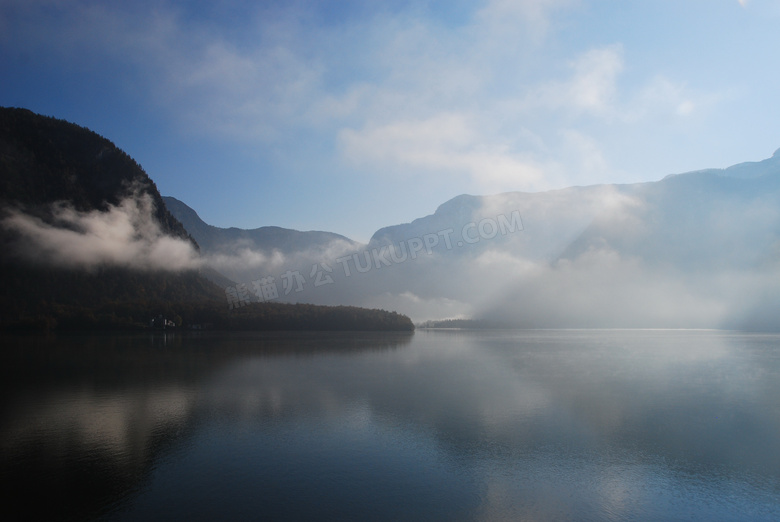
86 239
700 249
84 232
243 256
222 240
87 242
704 220
693 250
45 160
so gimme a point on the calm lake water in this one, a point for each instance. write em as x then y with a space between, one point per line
435 425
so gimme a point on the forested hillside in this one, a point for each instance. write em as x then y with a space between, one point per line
87 243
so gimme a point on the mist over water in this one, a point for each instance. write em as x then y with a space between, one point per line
687 253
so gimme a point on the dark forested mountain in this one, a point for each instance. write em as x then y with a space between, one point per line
56 177
87 242
44 160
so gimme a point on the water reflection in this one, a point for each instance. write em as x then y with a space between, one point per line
84 418
447 425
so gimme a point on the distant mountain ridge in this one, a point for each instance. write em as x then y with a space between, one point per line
559 224
267 238
698 249
745 170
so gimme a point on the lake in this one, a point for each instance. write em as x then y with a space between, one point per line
435 425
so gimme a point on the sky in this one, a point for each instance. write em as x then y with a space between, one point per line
349 116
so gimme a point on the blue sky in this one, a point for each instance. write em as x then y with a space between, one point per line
348 116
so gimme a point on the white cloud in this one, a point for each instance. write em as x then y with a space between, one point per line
662 97
445 143
534 16
592 87
500 101
537 136
200 73
125 235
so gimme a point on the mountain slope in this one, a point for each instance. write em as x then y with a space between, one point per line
88 243
44 160
269 238
80 224
700 249
248 255
703 220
